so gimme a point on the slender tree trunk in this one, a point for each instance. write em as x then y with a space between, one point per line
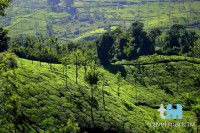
135 87
92 103
153 69
135 81
63 70
40 59
85 68
66 77
118 91
136 94
177 84
76 70
193 57
197 124
103 95
177 80
50 66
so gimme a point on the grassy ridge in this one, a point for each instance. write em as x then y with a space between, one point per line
44 94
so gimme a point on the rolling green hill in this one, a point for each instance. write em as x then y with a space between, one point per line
86 18
118 83
126 104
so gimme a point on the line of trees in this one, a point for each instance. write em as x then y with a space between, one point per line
109 47
3 39
135 42
3 33
50 50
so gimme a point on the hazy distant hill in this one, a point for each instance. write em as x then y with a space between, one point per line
75 20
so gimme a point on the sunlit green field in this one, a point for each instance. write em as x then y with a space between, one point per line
91 16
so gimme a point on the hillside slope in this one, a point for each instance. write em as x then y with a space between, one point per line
44 95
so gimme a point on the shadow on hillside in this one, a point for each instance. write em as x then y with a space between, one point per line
115 69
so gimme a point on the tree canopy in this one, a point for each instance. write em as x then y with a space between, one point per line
4 4
3 33
179 40
3 39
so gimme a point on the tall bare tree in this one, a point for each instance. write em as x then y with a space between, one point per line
92 78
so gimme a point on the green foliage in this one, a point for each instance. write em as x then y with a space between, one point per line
189 101
179 40
129 44
3 33
104 45
11 105
124 45
195 50
37 48
110 47
92 77
3 39
7 61
94 22
72 126
34 98
154 34
31 89
11 111
4 4
47 123
44 103
196 109
143 45
52 51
